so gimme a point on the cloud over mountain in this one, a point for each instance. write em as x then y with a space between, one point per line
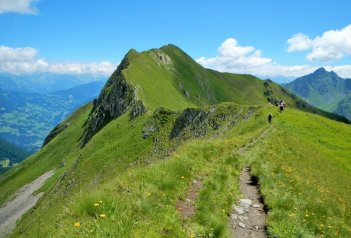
26 60
331 45
235 58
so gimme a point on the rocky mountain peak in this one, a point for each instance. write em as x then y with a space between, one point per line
117 97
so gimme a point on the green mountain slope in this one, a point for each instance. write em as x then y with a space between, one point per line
325 90
10 155
124 161
168 77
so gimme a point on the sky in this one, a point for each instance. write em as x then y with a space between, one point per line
268 38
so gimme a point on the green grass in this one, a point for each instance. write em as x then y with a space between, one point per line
118 160
139 189
303 163
304 170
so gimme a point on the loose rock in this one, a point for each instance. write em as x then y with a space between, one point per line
242 225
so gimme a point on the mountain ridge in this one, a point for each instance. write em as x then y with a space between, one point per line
325 90
132 171
189 84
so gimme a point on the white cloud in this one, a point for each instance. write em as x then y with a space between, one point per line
231 56
332 45
25 61
299 42
18 6
234 58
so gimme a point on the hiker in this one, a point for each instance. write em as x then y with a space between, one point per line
270 117
281 106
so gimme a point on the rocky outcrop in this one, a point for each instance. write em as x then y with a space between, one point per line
54 132
196 122
116 98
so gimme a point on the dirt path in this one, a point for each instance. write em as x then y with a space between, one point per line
187 207
248 217
23 201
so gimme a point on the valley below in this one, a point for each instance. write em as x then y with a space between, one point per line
172 149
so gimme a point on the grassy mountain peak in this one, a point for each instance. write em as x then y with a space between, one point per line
163 123
325 90
168 77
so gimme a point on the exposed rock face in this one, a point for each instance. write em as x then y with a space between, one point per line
194 122
54 132
137 109
116 98
161 58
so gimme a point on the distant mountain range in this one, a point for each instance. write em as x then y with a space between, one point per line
26 117
159 154
325 90
10 155
43 83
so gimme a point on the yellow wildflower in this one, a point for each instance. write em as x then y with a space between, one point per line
77 224
96 204
182 177
102 215
100 201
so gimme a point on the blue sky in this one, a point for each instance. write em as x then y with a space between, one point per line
87 33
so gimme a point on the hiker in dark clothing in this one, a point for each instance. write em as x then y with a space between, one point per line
281 106
270 118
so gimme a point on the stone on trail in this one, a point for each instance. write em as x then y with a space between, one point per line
245 203
239 210
256 206
242 225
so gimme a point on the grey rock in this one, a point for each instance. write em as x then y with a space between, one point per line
239 210
117 96
242 225
138 109
54 132
256 206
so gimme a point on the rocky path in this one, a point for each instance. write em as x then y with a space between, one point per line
248 217
23 201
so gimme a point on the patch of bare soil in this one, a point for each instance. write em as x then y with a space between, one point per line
23 201
186 207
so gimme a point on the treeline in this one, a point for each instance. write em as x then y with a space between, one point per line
12 152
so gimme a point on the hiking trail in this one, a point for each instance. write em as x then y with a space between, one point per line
22 202
248 217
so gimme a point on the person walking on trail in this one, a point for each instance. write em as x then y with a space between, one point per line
270 116
281 106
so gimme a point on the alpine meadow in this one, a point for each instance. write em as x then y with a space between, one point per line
160 153
175 119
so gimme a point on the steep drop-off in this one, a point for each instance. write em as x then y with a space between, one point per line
163 123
